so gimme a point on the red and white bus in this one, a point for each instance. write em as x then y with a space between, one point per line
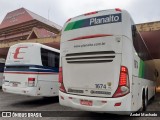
31 69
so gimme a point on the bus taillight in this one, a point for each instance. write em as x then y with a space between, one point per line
31 82
123 86
61 87
123 76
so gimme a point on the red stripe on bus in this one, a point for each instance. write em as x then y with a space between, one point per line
28 73
90 36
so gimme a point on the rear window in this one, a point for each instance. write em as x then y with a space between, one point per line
49 58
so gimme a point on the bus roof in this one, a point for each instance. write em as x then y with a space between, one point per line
39 45
95 12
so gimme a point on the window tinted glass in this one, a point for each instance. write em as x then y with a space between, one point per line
49 58
2 67
140 46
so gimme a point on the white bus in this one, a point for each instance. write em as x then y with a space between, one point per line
31 69
2 64
105 65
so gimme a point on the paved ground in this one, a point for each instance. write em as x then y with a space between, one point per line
12 102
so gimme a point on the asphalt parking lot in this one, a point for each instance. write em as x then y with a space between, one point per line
13 102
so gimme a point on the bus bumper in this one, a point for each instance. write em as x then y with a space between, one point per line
121 105
29 91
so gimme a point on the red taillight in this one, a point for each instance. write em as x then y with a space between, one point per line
118 9
91 13
31 82
123 76
60 75
31 79
61 87
123 86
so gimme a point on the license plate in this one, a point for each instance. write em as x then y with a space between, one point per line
86 102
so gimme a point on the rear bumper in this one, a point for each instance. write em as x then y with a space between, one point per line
104 105
29 91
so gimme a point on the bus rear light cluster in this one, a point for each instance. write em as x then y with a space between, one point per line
61 87
123 86
31 82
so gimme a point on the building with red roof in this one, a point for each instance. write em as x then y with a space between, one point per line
22 25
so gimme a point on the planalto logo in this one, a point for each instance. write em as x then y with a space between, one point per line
105 19
99 20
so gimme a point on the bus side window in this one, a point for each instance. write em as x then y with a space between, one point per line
139 45
133 31
2 67
49 58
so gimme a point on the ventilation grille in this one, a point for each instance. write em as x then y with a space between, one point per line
91 57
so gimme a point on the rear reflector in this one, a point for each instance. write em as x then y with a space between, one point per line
117 104
90 36
91 13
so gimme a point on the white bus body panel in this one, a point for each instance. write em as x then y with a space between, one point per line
76 78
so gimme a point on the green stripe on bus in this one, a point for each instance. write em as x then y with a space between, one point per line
141 69
74 25
69 26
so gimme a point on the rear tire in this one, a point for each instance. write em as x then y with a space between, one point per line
144 101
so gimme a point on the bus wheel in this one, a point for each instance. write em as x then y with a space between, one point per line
144 101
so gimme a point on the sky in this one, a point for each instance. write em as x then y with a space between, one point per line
59 11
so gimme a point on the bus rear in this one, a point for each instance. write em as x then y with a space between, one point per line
25 73
93 71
